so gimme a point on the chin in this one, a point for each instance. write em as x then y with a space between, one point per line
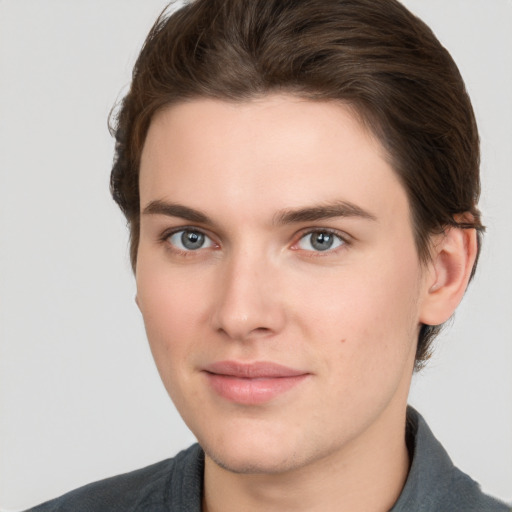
253 463
246 452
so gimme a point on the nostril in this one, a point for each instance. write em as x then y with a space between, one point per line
261 330
242 334
244 309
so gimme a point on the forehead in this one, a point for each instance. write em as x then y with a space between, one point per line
266 154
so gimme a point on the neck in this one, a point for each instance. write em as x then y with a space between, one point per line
367 475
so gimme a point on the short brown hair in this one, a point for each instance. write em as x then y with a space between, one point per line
374 55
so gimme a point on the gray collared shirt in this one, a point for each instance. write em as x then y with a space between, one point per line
434 484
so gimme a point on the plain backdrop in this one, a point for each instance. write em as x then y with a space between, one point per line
80 399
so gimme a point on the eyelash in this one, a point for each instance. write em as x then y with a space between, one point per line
342 237
164 238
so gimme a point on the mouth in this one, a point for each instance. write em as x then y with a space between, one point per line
253 383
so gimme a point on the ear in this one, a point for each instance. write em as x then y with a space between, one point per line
137 301
453 257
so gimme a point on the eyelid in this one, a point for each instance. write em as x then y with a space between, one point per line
166 234
344 237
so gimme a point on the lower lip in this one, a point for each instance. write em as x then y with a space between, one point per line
252 391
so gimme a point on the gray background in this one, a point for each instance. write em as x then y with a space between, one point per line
79 396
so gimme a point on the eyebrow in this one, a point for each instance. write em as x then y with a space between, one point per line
323 211
159 207
287 216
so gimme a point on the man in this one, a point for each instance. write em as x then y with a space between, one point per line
301 184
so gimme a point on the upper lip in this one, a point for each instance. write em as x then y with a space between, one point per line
255 370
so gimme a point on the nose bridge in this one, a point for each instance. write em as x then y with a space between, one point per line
248 302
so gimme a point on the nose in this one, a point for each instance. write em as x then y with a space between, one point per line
248 304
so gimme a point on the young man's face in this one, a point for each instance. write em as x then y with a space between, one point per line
278 278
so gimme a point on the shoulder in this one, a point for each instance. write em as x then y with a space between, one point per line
175 482
434 484
467 495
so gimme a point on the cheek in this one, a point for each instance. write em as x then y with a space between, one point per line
366 314
353 305
171 307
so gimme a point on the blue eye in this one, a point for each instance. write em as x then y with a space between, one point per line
190 240
320 241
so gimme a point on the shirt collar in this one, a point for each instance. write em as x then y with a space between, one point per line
431 469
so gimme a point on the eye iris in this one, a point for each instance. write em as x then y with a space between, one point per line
322 241
192 240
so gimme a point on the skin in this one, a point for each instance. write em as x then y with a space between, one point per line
258 290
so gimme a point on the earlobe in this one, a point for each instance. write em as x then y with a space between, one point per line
453 258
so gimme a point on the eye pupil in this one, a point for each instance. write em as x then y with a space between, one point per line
192 240
322 241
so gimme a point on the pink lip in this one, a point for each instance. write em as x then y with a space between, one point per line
254 383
